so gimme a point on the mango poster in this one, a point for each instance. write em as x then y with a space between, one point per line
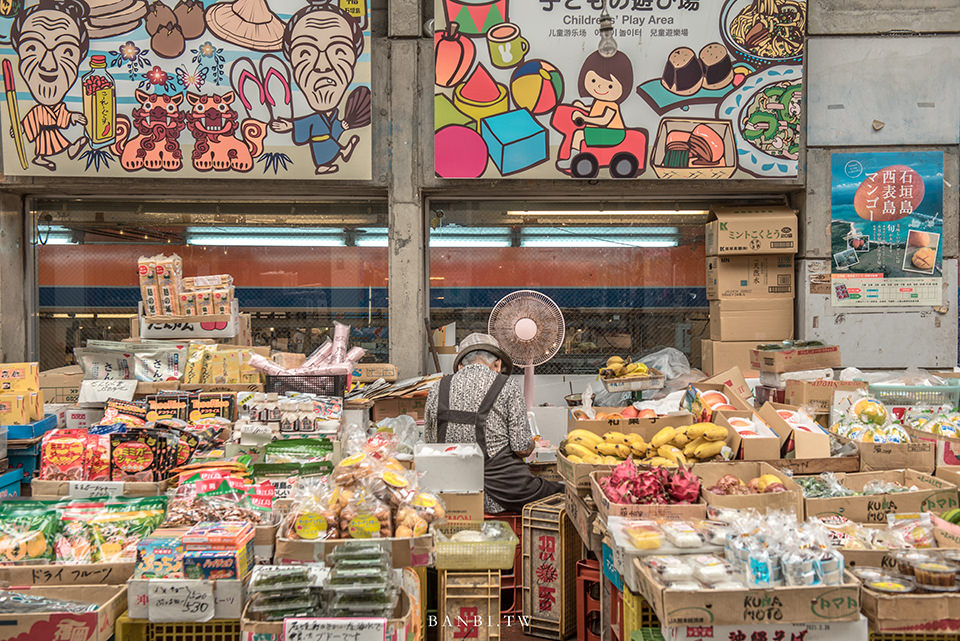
186 88
683 89
886 233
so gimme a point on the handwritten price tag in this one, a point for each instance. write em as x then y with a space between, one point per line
101 391
334 629
88 489
177 600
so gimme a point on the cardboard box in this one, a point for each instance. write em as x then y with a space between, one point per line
734 379
13 409
934 495
582 513
607 508
827 603
817 396
751 448
57 410
738 277
739 231
916 613
693 400
751 320
61 385
719 356
710 473
393 407
228 597
815 466
463 507
370 372
946 450
919 455
405 552
88 626
798 359
806 444
19 377
80 574
577 475
449 472
87 489
83 417
836 631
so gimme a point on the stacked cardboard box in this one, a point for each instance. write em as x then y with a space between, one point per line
750 283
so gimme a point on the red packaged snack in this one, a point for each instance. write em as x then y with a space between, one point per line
138 455
62 455
98 457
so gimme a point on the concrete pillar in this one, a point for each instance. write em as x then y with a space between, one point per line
13 317
407 269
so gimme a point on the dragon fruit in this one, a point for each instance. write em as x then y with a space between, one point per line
683 486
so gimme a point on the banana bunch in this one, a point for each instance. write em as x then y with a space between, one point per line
670 447
674 446
616 367
583 446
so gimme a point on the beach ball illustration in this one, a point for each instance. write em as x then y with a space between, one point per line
537 86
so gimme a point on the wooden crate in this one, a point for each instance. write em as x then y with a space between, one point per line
469 605
551 549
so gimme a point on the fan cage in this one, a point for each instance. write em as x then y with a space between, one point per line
528 303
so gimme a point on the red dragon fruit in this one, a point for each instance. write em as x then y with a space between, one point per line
684 486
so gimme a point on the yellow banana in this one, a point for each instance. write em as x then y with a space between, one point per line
573 458
696 430
638 449
616 437
708 449
659 461
593 459
614 449
715 433
578 450
584 437
681 437
692 446
671 453
612 460
663 437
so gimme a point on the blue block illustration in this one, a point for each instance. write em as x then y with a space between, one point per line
515 140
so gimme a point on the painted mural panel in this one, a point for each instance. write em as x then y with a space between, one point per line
694 89
186 88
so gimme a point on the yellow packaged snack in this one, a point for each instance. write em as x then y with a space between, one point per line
196 361
19 377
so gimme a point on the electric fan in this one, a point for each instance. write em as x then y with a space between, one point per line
529 327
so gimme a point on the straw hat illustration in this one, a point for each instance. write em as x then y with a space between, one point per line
246 23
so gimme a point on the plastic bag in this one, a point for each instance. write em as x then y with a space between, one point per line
314 514
670 361
364 516
354 469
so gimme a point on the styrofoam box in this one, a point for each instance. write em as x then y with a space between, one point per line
449 467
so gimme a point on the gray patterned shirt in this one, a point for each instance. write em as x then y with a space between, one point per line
506 424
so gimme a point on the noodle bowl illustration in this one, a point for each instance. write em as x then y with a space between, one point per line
765 32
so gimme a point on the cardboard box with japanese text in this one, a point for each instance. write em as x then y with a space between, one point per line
738 231
932 495
753 277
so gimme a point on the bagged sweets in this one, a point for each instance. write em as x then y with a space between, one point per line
63 455
27 534
314 515
365 517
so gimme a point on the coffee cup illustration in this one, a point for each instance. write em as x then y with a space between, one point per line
507 46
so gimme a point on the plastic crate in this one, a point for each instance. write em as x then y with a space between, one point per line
917 395
637 613
646 634
328 385
588 600
136 630
511 595
551 549
480 555
467 598
616 614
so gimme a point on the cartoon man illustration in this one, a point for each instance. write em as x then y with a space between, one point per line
51 40
322 44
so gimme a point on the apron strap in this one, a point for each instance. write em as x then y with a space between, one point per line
478 419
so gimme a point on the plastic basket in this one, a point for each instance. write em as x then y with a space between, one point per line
917 395
328 385
479 555
136 630
637 613
656 380
646 634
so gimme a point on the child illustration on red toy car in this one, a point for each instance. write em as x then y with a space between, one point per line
598 131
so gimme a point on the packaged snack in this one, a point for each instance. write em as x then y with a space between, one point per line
365 517
156 362
196 357
218 535
206 282
644 535
213 404
358 551
353 469
13 409
304 450
27 534
891 584
168 405
160 555
284 578
97 456
188 304
105 364
222 300
138 455
115 535
205 302
63 455
682 535
132 413
218 564
936 576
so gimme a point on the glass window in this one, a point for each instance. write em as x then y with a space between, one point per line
628 281
296 269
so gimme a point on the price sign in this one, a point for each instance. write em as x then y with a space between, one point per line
334 629
88 489
177 600
102 391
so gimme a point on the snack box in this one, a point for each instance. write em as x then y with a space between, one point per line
218 564
14 409
218 535
111 601
160 555
19 377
